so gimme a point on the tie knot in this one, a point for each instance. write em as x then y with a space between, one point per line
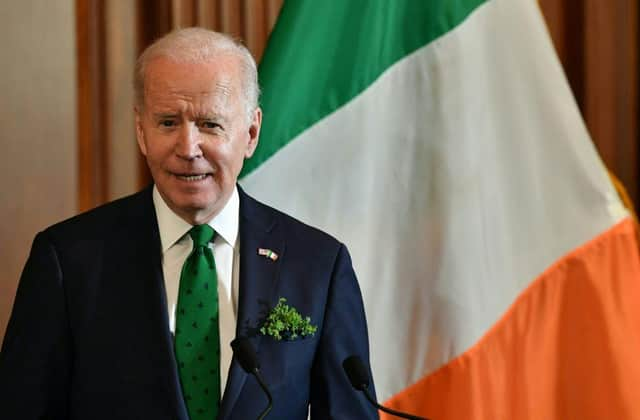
201 235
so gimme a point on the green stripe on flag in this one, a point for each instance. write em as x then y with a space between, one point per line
321 54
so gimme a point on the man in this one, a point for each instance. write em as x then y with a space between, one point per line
114 317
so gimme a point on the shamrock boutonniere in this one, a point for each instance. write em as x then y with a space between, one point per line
284 322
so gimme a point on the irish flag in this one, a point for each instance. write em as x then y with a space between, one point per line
440 141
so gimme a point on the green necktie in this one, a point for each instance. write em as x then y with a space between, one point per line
197 331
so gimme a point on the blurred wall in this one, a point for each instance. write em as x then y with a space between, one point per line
121 53
38 171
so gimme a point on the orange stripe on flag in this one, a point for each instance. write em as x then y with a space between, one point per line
568 348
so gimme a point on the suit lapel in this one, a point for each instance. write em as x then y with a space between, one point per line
139 243
257 283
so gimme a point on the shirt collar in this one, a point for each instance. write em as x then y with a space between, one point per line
172 228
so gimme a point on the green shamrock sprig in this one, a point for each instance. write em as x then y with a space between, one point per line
284 322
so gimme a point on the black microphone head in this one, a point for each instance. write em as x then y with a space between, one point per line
356 372
245 354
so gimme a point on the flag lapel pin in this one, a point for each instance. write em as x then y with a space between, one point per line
268 253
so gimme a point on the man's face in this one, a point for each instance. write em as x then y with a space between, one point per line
194 131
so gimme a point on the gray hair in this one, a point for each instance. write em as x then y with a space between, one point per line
194 45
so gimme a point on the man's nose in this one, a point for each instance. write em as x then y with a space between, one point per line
188 142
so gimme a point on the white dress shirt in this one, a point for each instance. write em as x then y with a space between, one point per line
176 246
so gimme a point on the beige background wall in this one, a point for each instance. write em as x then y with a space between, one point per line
121 52
37 129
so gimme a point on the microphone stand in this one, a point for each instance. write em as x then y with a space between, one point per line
258 376
358 375
245 355
388 410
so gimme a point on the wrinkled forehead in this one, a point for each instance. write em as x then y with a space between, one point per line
219 77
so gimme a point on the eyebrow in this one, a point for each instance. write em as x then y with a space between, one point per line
197 117
209 116
162 115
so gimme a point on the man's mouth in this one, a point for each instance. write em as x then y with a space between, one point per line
192 177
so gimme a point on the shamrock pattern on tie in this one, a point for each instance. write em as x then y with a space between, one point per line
197 335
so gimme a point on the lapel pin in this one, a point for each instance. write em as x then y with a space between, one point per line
268 253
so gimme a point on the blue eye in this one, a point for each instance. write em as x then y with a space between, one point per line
209 125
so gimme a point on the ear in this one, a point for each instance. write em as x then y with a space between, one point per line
139 131
254 133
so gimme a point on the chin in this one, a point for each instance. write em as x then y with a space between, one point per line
195 202
198 208
196 205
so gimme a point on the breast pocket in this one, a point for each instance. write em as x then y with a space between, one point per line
287 363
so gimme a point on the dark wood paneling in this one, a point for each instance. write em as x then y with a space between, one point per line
597 43
232 17
184 13
255 27
565 20
207 14
273 10
154 20
610 86
93 147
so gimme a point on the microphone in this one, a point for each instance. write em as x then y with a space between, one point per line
245 354
358 375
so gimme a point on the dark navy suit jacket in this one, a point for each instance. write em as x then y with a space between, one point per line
88 337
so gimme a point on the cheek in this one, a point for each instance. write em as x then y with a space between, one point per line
156 152
151 158
219 154
236 158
